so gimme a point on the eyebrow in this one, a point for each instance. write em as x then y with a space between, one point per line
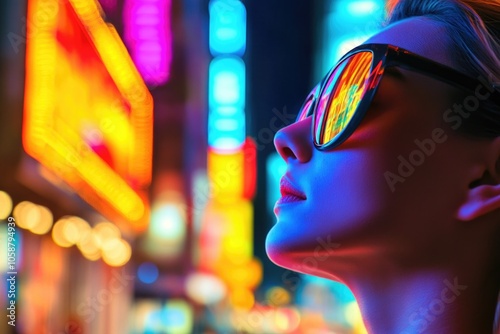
395 73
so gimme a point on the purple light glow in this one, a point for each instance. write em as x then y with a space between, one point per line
108 5
148 35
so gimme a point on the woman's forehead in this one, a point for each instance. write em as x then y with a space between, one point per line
420 35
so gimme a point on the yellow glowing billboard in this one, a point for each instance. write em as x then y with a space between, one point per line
88 114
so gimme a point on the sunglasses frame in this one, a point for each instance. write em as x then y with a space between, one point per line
384 56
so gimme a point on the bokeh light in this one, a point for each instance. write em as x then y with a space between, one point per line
74 229
205 288
278 296
242 298
116 252
5 205
58 234
89 245
26 214
104 232
147 272
286 320
45 221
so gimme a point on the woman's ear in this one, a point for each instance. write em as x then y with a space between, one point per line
484 193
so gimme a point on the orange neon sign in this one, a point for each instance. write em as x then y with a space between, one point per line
88 114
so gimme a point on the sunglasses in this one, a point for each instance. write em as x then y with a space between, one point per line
339 103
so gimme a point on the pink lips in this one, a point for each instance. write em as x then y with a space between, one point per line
289 193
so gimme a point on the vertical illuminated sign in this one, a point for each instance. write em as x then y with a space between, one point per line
87 113
227 76
148 34
231 157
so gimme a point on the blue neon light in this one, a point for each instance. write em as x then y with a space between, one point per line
362 7
351 22
227 33
226 86
227 75
226 133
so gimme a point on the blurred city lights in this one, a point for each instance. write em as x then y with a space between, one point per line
58 233
104 232
5 257
116 252
225 173
147 272
168 221
233 225
89 245
5 205
227 132
351 22
226 119
103 240
26 214
3 250
227 30
148 34
174 317
101 150
242 298
205 288
363 7
353 314
248 275
44 222
142 309
278 296
74 229
227 231
166 234
227 82
286 320
276 320
178 317
250 168
106 83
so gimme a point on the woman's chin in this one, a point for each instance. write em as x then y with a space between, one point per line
303 253
289 256
287 251
278 249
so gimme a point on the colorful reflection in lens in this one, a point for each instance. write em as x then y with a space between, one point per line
345 89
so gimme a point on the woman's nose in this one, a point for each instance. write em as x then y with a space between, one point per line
295 141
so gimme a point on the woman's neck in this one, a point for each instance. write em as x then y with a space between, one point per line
434 302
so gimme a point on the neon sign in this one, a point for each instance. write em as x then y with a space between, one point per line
88 115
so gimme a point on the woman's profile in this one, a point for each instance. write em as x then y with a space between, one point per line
395 160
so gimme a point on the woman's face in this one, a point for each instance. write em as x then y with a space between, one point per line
390 192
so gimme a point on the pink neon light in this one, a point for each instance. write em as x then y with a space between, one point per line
148 34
